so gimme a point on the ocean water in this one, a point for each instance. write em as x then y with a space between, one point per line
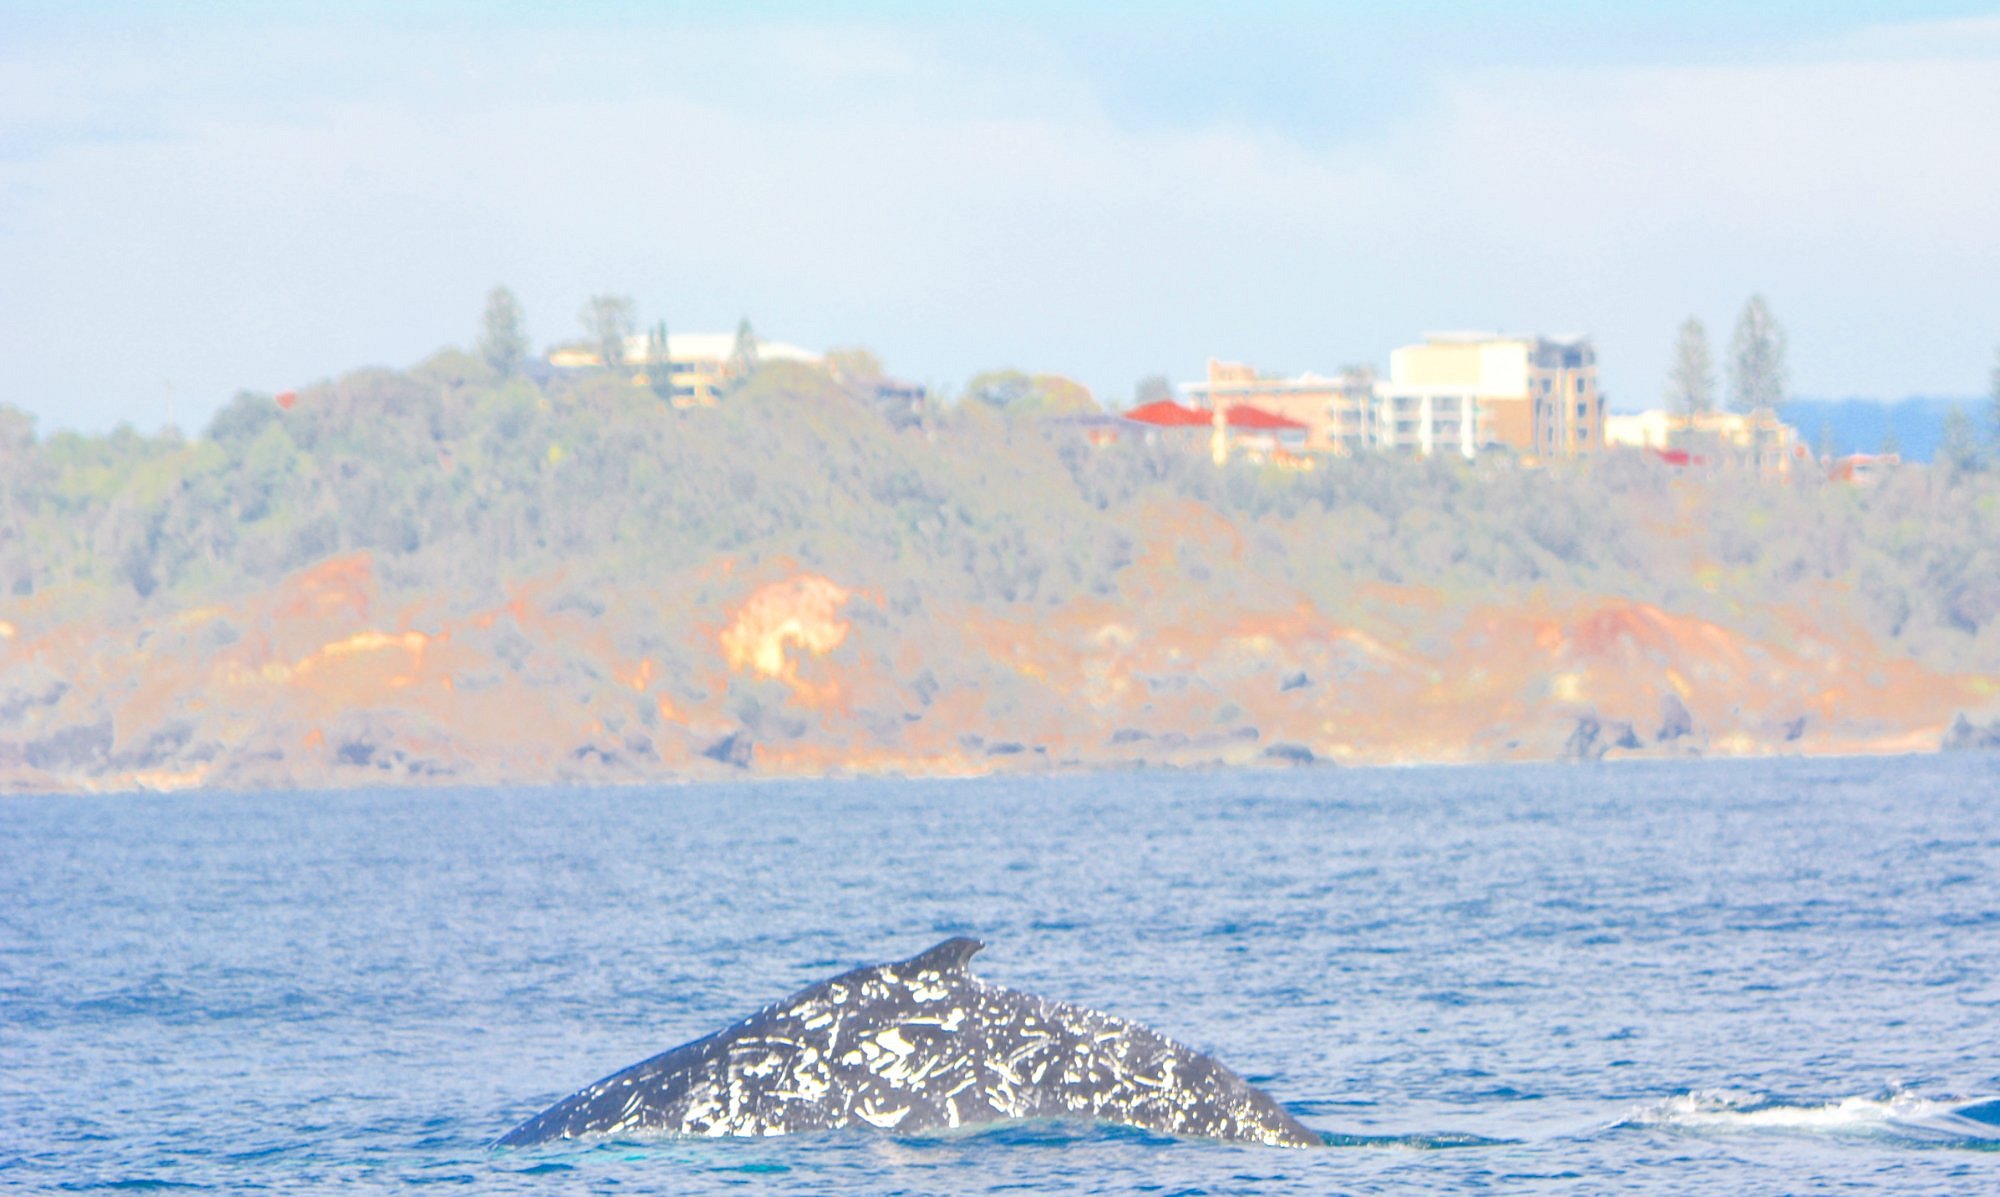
1707 976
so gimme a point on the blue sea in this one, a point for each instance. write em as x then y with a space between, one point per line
1769 976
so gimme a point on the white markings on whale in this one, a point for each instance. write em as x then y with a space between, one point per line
918 1046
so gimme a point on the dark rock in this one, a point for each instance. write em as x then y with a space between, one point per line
1586 740
358 752
733 749
1967 736
1130 735
1297 681
1290 754
1004 748
592 752
167 745
1621 734
27 690
71 748
1795 729
219 634
1675 721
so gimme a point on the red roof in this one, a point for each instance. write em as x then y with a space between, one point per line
1245 416
1168 414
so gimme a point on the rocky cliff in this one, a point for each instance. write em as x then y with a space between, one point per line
582 587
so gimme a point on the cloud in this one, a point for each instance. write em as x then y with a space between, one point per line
338 203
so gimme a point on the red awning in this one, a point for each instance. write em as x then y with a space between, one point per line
1168 414
1245 416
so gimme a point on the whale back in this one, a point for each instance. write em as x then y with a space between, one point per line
914 1046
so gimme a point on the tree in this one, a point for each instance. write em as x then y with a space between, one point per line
659 361
743 359
1153 388
1993 399
1691 379
854 364
1015 392
1958 449
1756 359
1892 445
1001 389
501 341
607 321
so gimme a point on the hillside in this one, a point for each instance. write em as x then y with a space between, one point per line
437 575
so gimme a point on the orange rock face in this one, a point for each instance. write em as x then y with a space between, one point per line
780 671
781 622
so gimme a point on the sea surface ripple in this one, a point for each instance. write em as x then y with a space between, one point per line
1746 976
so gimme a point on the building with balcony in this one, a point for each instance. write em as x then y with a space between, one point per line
1474 392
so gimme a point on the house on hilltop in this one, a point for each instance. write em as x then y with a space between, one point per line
702 365
1770 444
1336 412
1458 392
1261 435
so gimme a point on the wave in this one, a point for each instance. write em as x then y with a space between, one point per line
1896 1115
1439 1141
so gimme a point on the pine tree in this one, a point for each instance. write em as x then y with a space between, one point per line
660 362
1691 379
743 360
1154 388
501 341
1958 449
1756 359
1993 400
607 320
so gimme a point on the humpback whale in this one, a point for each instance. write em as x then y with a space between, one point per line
914 1046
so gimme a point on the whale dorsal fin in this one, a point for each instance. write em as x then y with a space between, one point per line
948 957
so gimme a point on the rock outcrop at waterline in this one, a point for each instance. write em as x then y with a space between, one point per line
768 669
1966 736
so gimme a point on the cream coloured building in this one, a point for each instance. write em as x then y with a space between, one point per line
702 363
1470 392
1770 443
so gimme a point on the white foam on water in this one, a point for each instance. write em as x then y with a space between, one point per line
1898 1114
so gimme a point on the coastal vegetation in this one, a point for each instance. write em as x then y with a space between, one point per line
462 484
458 477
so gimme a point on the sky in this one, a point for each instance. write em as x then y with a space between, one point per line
234 196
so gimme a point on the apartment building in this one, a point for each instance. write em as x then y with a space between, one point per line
1471 392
